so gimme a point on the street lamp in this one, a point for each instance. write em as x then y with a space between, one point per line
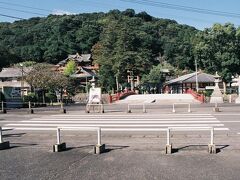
22 82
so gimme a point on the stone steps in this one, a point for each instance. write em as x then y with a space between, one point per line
159 99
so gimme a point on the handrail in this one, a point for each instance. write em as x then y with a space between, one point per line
197 96
119 95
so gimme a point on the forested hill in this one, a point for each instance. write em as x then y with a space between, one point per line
139 39
122 41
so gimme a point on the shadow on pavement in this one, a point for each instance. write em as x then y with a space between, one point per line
198 147
18 145
115 147
108 148
14 135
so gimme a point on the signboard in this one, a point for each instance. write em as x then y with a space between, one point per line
11 92
95 95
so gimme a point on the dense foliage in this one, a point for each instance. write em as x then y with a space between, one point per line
121 42
218 49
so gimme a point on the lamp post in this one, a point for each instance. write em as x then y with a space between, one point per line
22 82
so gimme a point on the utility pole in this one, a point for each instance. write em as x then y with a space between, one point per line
196 74
22 82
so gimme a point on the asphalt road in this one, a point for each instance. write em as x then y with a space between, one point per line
130 155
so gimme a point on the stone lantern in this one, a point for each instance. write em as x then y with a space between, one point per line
216 96
93 81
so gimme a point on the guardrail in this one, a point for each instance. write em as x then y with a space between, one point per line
188 104
211 146
99 147
144 107
30 106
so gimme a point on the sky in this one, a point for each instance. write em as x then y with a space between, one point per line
183 11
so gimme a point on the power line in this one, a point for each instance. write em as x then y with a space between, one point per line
183 8
29 12
166 15
29 7
14 17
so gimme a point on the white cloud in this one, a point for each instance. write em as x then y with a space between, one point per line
61 12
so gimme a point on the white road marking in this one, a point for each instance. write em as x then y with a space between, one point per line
103 129
226 114
124 122
118 122
117 125
119 119
230 121
134 115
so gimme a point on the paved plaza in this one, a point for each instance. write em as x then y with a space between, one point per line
129 154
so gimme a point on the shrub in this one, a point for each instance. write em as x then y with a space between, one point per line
30 97
50 97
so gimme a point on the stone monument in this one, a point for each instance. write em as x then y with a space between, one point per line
216 96
95 98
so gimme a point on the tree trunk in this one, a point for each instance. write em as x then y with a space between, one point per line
117 83
61 95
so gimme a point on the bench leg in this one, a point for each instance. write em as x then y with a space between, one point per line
4 145
4 111
216 109
98 149
62 110
30 111
168 149
59 147
212 149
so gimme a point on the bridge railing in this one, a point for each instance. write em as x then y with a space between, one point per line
197 96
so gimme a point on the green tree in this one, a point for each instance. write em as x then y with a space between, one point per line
218 50
70 68
25 64
158 73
